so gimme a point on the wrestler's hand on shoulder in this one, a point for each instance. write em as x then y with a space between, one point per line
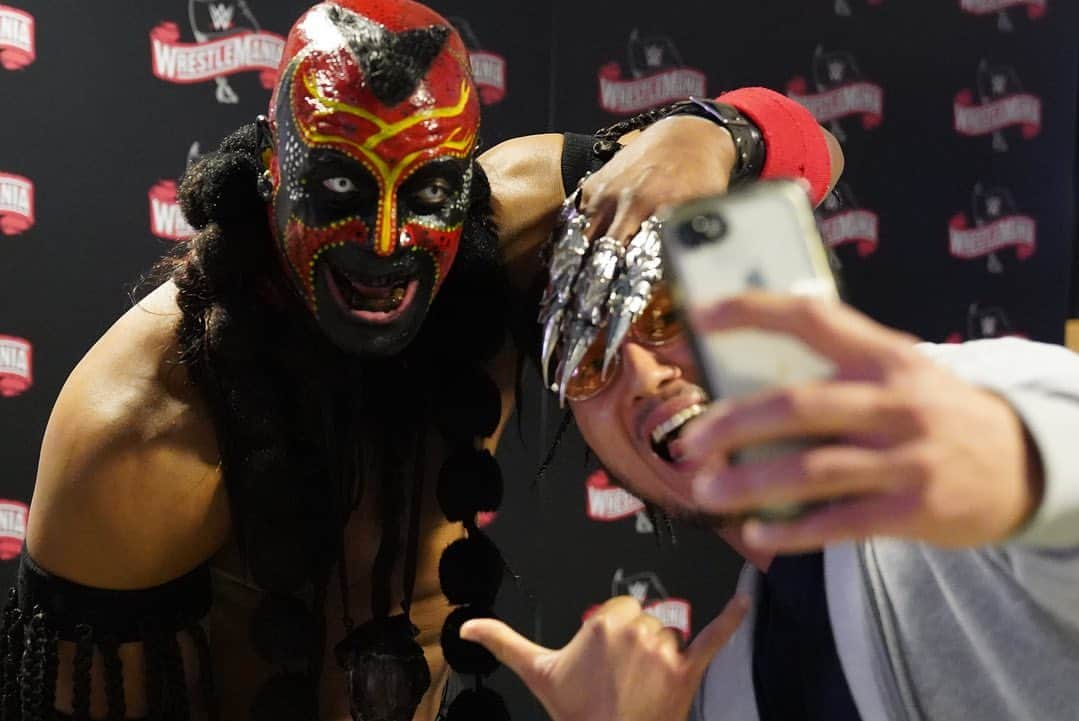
623 664
909 450
672 161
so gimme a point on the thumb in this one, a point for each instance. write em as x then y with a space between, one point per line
508 646
716 634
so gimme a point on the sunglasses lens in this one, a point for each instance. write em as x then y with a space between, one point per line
659 322
588 379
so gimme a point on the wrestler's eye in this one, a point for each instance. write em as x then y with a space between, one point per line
339 184
435 193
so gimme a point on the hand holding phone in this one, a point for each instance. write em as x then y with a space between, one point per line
762 237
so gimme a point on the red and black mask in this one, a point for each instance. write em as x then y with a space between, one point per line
372 129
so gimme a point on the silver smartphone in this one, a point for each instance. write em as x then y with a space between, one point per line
761 237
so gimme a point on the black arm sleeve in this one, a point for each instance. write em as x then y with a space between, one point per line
577 159
44 609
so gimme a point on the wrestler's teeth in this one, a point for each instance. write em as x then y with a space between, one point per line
675 422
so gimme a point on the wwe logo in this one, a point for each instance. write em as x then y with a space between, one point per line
221 15
653 56
836 71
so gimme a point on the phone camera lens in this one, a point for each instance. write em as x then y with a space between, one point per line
703 228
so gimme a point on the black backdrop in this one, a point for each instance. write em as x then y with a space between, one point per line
955 218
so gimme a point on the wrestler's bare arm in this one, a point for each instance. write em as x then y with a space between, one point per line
526 192
128 492
526 181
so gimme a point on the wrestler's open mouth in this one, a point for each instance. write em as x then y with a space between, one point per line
374 299
668 430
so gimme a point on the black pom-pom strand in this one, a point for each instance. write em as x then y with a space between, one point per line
480 704
471 570
285 697
465 656
469 482
467 403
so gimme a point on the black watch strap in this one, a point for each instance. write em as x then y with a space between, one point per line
748 141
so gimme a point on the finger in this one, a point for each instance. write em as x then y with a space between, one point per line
599 205
618 611
827 326
888 514
815 410
508 646
647 624
817 474
716 634
631 211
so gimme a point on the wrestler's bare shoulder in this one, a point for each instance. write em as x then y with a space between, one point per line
129 491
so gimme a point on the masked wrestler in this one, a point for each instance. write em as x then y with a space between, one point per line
257 492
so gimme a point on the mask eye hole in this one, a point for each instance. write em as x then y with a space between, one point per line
339 184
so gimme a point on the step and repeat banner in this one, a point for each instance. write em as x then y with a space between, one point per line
955 218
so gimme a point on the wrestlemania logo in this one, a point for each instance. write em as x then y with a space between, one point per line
488 69
12 528
648 590
840 91
607 502
228 40
167 221
843 8
16 366
844 222
16 204
997 224
1035 10
657 76
1001 106
16 38
991 322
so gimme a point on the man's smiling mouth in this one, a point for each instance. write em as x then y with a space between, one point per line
668 430
661 419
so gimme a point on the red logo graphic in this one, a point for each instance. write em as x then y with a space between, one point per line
607 502
166 219
16 204
648 590
997 225
657 76
16 38
12 528
840 92
1035 8
228 40
844 222
1001 103
489 72
488 69
16 366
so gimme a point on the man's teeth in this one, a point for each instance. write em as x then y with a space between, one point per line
676 421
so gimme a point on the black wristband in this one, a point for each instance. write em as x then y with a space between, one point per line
748 141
